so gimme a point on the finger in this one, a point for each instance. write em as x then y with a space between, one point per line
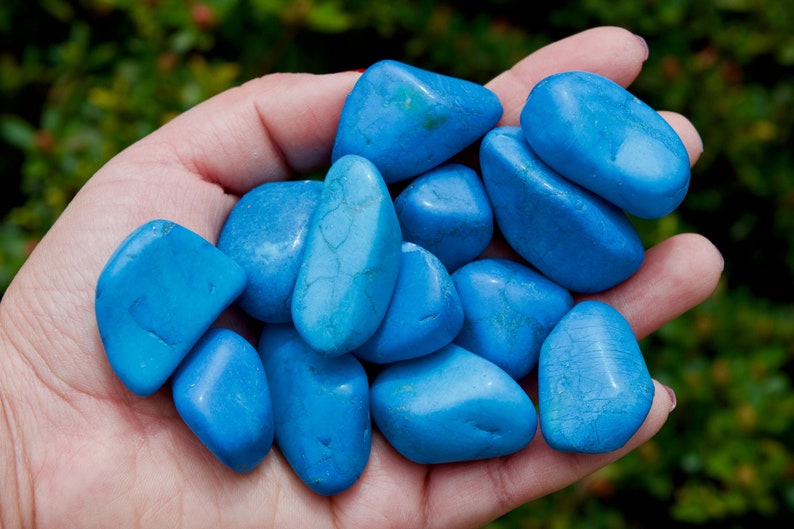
687 132
609 51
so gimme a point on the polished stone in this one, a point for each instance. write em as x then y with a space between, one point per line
447 212
594 389
221 392
509 309
407 120
451 405
157 295
575 238
596 133
350 262
265 233
321 408
424 315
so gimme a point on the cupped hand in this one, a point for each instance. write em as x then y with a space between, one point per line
77 449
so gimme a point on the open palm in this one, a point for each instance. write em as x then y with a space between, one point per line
77 449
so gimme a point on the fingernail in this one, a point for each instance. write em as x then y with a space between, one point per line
673 400
359 70
644 45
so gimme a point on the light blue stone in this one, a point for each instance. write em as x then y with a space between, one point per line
597 134
350 262
265 233
509 309
321 407
407 120
159 292
220 390
575 238
594 389
451 405
447 212
424 315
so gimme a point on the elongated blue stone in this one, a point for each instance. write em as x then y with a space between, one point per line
321 407
594 389
447 212
575 238
509 309
407 120
451 405
159 292
265 234
221 392
351 260
594 132
424 315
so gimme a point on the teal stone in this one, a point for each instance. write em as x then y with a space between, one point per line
447 212
221 392
407 120
451 405
351 260
157 295
594 389
424 315
509 309
321 409
265 233
572 236
594 132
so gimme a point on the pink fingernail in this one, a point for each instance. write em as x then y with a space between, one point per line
673 399
644 45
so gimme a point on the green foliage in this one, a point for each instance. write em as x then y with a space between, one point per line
79 81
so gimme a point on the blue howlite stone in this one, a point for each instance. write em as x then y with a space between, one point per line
447 212
577 239
451 405
350 262
265 233
594 389
509 309
594 132
159 292
407 120
220 390
424 315
321 407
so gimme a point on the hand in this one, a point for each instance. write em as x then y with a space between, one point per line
77 449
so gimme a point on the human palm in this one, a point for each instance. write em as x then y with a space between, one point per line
78 449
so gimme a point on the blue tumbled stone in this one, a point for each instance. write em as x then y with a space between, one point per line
574 237
451 405
407 120
424 315
509 309
321 408
596 133
350 262
157 295
265 233
447 212
221 392
594 389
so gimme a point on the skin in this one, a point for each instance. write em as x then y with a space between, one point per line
77 449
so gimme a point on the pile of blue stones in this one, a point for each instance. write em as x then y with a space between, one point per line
376 301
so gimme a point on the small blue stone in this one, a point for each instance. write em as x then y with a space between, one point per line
509 309
447 212
157 295
424 315
594 389
407 120
577 239
597 134
350 262
451 405
220 390
321 407
265 233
